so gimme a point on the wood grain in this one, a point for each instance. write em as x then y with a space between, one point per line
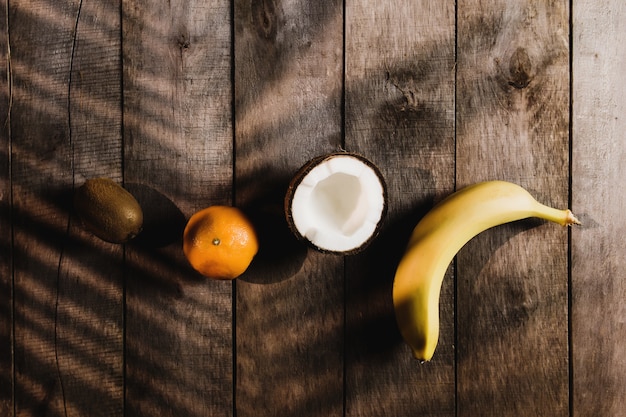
193 103
289 318
400 114
65 116
598 247
92 296
512 281
178 158
6 258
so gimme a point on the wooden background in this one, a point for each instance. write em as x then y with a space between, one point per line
196 102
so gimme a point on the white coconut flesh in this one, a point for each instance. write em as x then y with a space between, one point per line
338 204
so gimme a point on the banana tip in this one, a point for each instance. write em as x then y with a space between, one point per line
422 356
571 219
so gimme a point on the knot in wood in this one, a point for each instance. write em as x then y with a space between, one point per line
183 42
520 69
264 18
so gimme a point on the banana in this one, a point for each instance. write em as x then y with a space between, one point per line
438 237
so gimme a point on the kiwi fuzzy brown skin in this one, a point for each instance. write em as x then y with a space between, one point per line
301 174
108 211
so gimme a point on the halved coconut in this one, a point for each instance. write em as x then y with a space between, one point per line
336 202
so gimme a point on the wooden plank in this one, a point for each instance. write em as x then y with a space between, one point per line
39 146
400 114
288 72
178 159
92 296
65 125
6 267
512 281
598 247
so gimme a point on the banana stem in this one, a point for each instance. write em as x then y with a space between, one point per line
571 219
562 217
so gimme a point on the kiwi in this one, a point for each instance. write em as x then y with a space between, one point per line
108 211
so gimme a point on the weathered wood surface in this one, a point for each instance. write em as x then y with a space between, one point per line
512 282
178 158
399 113
192 103
6 261
598 270
288 94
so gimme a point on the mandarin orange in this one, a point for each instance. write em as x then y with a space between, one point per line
220 242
